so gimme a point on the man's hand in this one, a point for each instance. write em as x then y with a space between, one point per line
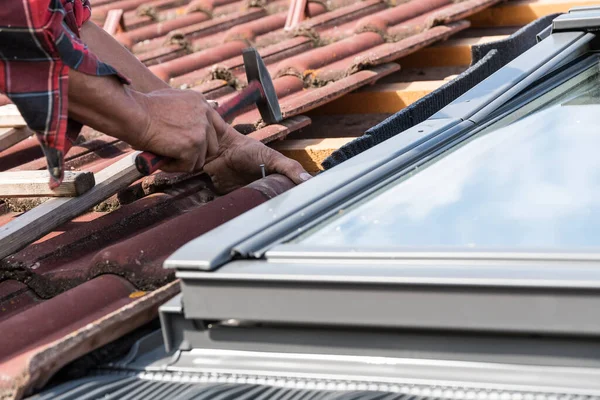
238 159
181 126
169 122
186 128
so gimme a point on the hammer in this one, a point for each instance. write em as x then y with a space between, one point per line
260 90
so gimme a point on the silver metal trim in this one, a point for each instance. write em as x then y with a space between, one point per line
417 272
380 301
578 19
299 252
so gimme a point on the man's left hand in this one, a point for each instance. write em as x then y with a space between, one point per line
237 162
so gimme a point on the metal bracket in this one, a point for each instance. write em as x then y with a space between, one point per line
585 19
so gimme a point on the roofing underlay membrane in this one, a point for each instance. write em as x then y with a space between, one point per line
100 275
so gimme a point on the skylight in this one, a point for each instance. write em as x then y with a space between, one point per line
529 181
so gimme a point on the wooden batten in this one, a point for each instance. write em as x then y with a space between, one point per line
35 184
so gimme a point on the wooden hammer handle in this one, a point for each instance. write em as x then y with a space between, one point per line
147 163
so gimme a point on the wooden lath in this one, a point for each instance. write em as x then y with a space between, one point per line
35 184
44 218
13 128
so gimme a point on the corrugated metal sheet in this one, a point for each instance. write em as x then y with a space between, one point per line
159 386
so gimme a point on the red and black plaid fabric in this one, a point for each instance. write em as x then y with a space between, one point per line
39 42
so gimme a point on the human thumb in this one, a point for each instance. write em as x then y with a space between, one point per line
290 168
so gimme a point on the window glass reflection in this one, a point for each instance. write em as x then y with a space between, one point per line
532 180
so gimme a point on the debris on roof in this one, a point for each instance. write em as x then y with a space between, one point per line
100 275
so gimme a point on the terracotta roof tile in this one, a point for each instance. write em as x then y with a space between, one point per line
76 306
15 298
92 265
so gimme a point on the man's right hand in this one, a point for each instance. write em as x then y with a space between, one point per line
180 125
174 123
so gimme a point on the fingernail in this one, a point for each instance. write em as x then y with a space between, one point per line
305 176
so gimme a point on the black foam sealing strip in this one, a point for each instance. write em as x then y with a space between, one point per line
487 59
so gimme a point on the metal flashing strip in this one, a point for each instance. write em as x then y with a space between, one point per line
236 385
338 369
381 370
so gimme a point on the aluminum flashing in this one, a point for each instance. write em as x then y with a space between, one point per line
585 19
224 385
146 372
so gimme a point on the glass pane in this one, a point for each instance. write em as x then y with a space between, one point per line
529 181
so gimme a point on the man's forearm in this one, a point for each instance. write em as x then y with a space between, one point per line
112 52
105 104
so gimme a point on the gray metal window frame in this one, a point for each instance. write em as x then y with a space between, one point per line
244 288
437 323
497 291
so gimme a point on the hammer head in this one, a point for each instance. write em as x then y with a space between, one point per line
256 71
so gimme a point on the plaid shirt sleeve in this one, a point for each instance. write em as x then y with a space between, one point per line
39 42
